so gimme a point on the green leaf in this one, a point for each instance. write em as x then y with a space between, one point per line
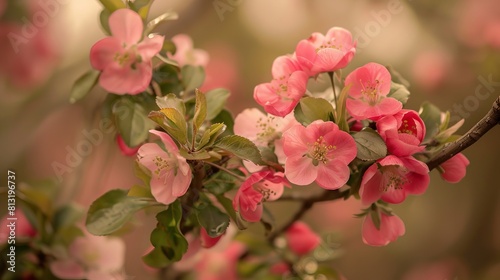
216 100
140 191
84 85
67 215
444 135
212 219
173 122
341 109
112 5
267 220
211 134
131 120
315 109
112 210
399 92
142 7
167 76
370 145
226 118
397 77
198 155
241 147
192 76
104 19
162 18
168 46
375 216
200 111
228 206
220 183
170 245
431 115
171 101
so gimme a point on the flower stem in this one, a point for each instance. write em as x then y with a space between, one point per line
332 80
226 170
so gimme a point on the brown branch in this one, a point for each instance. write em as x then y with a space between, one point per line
490 120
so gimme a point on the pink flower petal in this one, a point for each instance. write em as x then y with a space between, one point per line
67 269
454 168
332 176
103 52
391 227
126 25
123 80
150 47
167 140
301 239
299 170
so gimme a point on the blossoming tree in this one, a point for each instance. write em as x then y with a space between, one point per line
206 175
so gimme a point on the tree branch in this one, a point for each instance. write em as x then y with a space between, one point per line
490 120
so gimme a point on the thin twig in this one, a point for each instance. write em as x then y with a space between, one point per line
490 120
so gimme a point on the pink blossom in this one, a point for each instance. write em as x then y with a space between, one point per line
206 240
392 179
125 60
281 95
263 130
126 150
326 53
91 257
370 85
301 239
319 152
23 228
170 173
431 68
220 264
454 169
186 54
391 227
26 63
280 268
260 186
402 132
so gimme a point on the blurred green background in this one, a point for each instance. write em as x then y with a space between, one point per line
446 49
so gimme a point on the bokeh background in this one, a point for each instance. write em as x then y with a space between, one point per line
446 49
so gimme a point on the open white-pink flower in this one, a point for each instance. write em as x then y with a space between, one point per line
318 153
123 58
92 257
186 54
170 173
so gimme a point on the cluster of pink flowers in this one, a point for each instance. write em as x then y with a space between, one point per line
317 54
321 153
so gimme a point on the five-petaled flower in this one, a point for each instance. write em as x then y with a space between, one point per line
326 53
281 95
125 60
391 227
264 185
170 173
369 87
392 179
319 152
